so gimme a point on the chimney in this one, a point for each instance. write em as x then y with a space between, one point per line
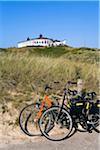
28 39
40 36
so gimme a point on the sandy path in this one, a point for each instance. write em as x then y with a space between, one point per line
79 141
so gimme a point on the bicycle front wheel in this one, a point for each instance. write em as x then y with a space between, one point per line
55 126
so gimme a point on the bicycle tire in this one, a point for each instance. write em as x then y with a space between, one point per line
96 125
24 116
47 128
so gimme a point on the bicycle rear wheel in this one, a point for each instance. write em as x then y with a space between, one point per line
27 120
55 126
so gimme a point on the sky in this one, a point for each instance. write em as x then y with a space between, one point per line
76 22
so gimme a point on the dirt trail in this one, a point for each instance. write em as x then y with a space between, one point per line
12 138
79 141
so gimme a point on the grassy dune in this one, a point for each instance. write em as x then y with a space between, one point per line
19 68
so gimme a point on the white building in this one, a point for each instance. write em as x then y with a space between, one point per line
40 41
57 43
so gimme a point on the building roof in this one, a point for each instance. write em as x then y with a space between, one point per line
40 37
56 41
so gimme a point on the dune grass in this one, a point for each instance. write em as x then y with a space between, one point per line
19 68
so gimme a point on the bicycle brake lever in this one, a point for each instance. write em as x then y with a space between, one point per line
56 82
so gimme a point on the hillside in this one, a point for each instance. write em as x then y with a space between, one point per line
21 68
82 53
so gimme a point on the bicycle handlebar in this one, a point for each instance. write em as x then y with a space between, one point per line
91 94
56 82
71 82
72 92
47 87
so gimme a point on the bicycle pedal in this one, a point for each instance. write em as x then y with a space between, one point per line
90 131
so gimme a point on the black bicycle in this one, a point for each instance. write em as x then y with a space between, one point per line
85 113
57 122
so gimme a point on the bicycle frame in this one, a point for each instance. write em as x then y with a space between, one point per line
66 91
46 100
62 105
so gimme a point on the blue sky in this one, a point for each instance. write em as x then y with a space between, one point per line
75 21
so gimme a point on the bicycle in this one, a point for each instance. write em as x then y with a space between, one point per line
30 114
87 114
57 122
82 104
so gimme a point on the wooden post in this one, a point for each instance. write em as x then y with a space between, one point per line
79 86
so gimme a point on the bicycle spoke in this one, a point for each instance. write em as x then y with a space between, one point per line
57 129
